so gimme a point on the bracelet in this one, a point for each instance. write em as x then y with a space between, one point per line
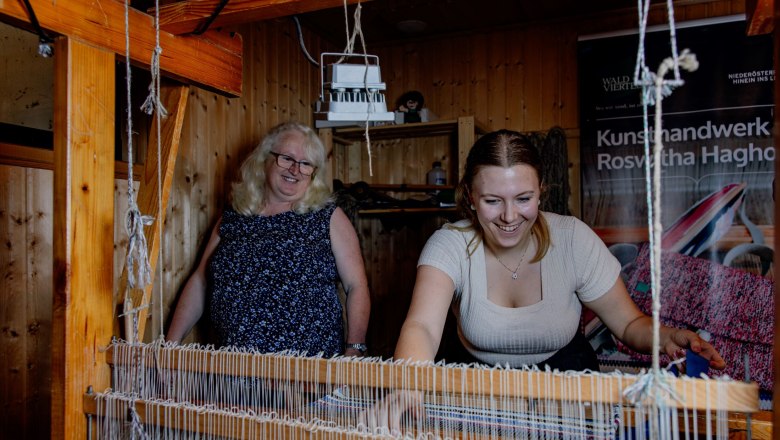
361 347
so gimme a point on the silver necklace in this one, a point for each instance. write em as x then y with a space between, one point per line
514 272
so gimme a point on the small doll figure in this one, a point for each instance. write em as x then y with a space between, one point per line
411 105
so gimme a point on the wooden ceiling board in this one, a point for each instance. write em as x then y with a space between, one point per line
188 16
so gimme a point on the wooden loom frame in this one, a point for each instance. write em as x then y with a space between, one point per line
89 40
741 398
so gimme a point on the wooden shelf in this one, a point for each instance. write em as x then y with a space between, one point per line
419 129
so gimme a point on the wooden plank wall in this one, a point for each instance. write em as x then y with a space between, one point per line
26 225
279 84
522 78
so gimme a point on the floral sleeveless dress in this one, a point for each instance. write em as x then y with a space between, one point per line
273 283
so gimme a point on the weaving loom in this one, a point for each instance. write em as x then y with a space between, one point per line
170 391
195 392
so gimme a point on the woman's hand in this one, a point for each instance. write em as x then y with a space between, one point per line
624 319
678 340
391 411
353 352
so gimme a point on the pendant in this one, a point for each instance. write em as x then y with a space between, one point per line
514 275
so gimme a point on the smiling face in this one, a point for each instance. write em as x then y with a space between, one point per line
506 201
286 185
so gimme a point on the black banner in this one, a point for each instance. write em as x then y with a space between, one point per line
717 127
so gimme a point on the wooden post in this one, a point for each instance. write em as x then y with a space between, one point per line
174 99
82 315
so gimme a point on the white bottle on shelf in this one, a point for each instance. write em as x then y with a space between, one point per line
437 175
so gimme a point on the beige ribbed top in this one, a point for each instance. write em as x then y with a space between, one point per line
578 266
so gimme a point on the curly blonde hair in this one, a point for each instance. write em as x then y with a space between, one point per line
248 195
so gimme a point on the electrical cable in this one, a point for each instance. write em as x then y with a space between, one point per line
44 41
301 42
205 25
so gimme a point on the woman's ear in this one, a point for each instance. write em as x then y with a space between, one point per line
468 197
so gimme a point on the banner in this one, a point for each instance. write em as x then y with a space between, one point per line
717 178
717 127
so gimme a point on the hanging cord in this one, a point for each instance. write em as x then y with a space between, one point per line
159 114
654 88
138 268
349 49
45 48
205 25
350 38
137 276
371 94
687 61
135 222
152 101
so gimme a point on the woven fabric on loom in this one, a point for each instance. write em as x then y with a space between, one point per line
485 419
734 306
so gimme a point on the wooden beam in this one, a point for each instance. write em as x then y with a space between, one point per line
83 243
174 98
187 16
524 384
41 159
212 61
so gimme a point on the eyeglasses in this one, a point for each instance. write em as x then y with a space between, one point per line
286 162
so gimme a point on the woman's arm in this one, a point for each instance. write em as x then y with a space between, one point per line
192 301
617 310
422 330
419 340
349 263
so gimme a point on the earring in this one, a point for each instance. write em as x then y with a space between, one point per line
473 208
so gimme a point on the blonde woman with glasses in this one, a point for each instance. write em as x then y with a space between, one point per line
269 273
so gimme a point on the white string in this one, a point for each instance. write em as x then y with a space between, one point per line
654 387
285 391
159 114
152 101
349 49
137 264
135 221
654 88
138 268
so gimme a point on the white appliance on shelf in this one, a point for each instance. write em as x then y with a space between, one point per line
351 93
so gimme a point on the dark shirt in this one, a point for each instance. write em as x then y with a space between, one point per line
273 283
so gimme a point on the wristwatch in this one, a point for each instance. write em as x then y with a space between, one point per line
361 347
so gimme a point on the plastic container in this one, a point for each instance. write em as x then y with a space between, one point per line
437 175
